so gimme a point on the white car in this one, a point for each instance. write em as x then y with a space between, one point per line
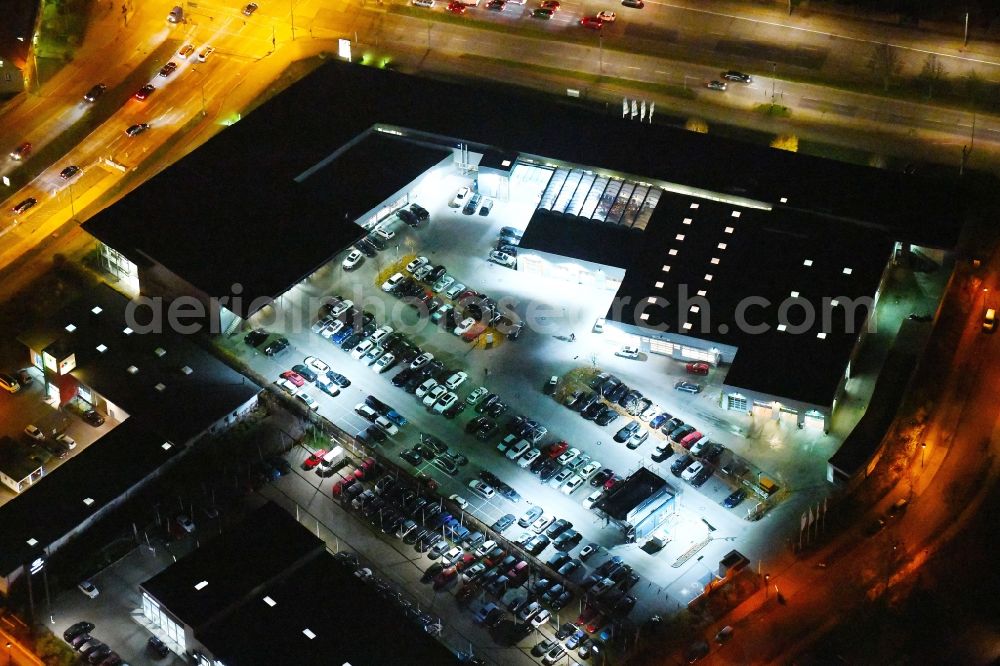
502 258
543 521
327 386
542 617
460 501
529 458
699 447
317 364
568 456
517 450
433 394
384 362
479 567
353 260
340 308
306 400
392 282
628 351
332 329
607 17
385 234
416 263
68 441
387 425
560 478
423 271
363 348
485 548
482 489
454 290
421 360
464 326
445 401
692 470
380 333
571 484
443 283
477 395
89 589
286 386
32 431
593 498
425 387
589 469
460 197
456 380
205 52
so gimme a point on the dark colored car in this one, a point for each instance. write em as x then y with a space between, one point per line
681 464
276 346
69 172
338 379
95 92
145 91
366 248
25 205
93 418
78 629
168 69
734 499
502 523
255 337
137 129
157 647
602 476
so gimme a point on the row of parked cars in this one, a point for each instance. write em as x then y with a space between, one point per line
379 238
93 651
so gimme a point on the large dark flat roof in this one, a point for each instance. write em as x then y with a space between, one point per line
732 254
203 220
266 545
349 622
635 490
177 390
103 472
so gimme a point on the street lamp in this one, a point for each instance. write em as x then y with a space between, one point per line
8 646
923 450
767 578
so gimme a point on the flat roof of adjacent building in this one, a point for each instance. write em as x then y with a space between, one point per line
214 580
164 379
265 238
15 460
635 490
322 614
77 489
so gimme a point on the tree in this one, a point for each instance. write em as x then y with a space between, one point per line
884 63
788 142
932 73
975 87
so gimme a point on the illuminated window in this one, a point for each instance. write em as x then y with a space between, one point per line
132 370
270 602
161 387
88 500
309 634
651 299
70 328
505 163
666 269
166 446
783 199
695 308
644 316
32 542
128 331
702 292
834 303
687 326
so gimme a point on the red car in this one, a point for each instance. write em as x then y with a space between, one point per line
557 449
294 378
340 486
612 482
595 624
698 368
456 7
21 151
474 332
591 22
144 92
466 560
446 576
586 616
314 459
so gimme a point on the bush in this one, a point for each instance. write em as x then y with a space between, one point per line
696 125
53 651
788 142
